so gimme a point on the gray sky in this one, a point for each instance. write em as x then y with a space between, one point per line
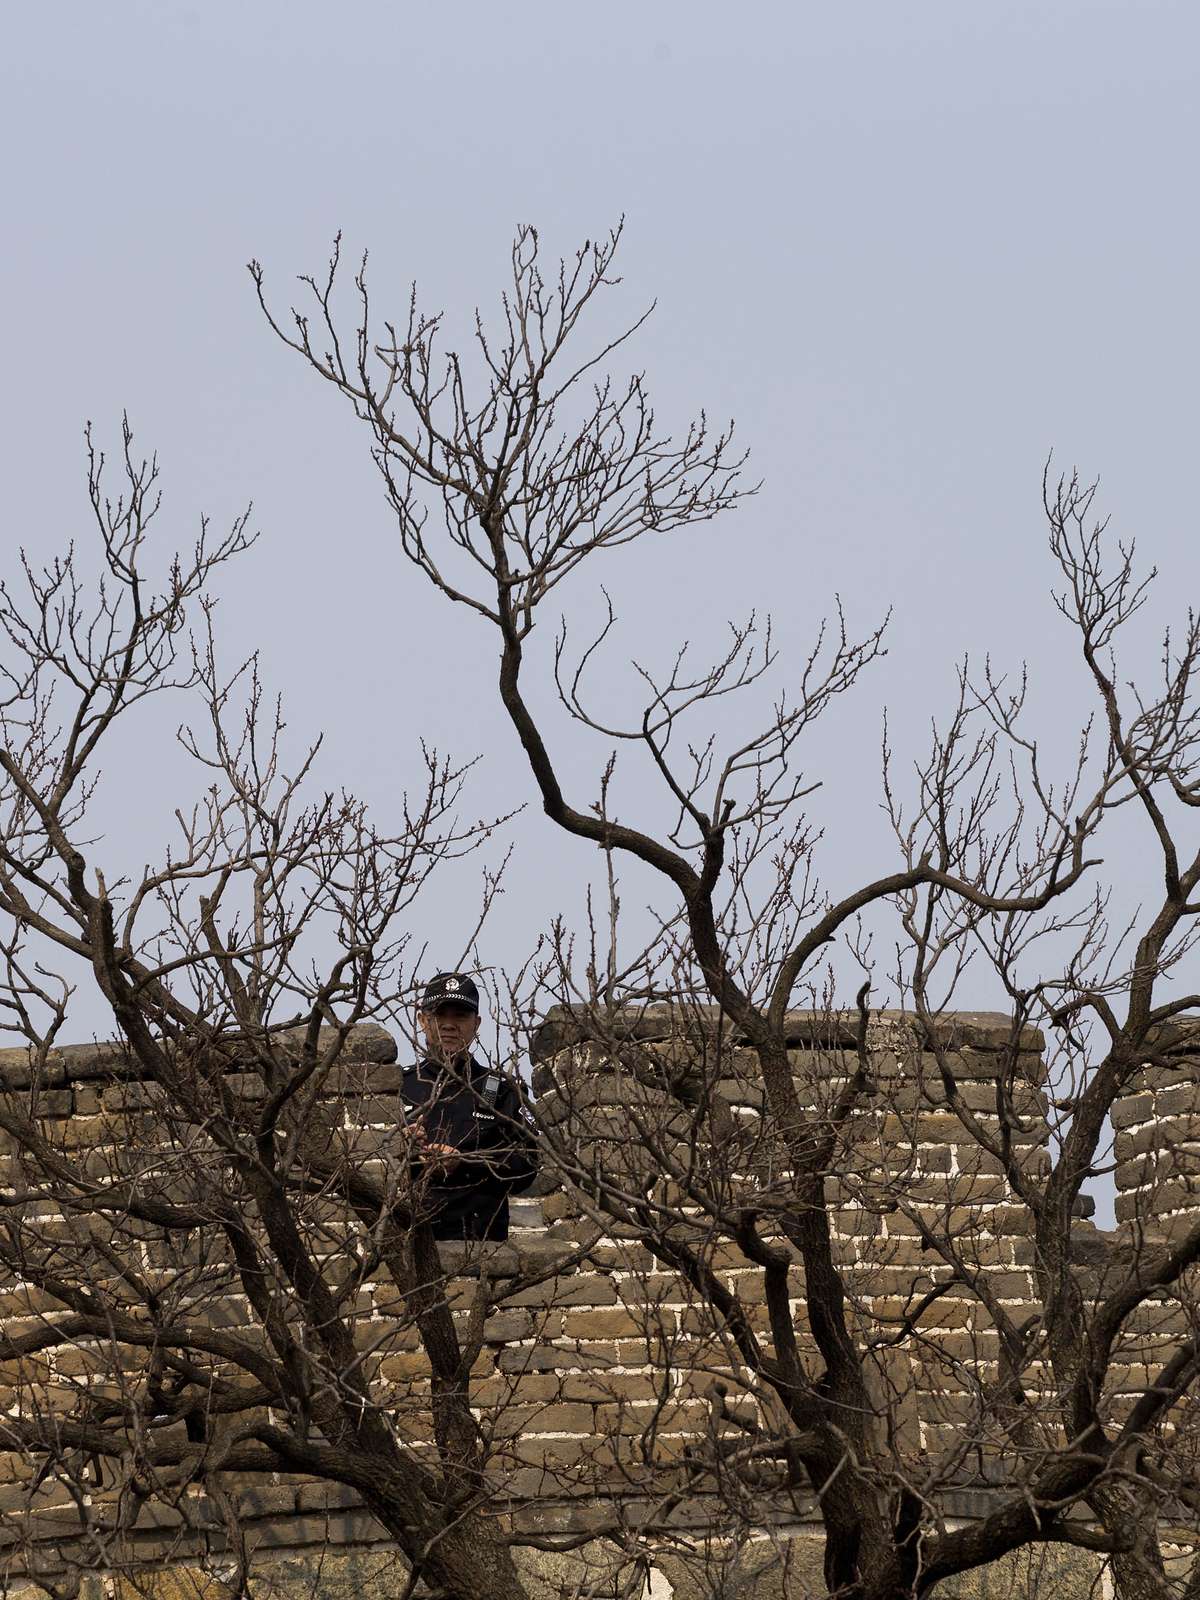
911 247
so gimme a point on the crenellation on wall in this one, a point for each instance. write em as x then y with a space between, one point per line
1156 1143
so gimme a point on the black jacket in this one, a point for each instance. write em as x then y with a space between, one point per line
479 1113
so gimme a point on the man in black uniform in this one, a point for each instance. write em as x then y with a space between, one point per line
473 1143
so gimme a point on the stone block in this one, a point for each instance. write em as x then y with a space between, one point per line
132 1096
1157 1318
326 1497
582 1289
403 1365
524 1213
19 1069
559 1205
1182 1071
1158 1136
610 1322
516 1388
1175 1102
1130 1110
46 1105
1154 1202
292 1532
557 1358
1160 1194
267 1500
547 1450
567 1026
1177 1162
85 1133
602 1385
561 1417
980 1344
363 1079
366 1042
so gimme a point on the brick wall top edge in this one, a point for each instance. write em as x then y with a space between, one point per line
564 1026
978 1030
108 1059
1180 1036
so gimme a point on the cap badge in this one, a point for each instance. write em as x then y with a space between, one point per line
451 983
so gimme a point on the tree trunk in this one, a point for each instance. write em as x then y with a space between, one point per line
470 1562
466 1557
1138 1573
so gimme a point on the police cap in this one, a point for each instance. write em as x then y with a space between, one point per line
450 988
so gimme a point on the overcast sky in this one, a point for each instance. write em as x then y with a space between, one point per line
913 248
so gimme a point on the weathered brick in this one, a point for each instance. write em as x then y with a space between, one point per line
660 1416
555 1358
118 1097
85 1133
609 1322
582 1289
402 1365
654 1288
292 1532
1173 1162
1165 1191
1182 1071
1164 1319
504 1389
602 1386
560 1417
511 1325
1131 1109
978 1344
1154 1202
539 1450
266 1500
1158 1136
326 1497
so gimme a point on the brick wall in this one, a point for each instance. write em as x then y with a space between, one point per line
1156 1126
577 1371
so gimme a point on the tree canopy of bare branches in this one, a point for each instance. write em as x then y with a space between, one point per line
509 470
188 1281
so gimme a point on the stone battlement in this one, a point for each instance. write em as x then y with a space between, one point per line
595 1365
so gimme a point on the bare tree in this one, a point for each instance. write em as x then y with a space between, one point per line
208 1270
506 472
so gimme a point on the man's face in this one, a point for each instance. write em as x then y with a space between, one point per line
451 1029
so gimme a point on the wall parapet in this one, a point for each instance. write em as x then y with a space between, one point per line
1156 1143
590 1339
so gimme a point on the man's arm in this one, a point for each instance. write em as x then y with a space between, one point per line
429 1146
